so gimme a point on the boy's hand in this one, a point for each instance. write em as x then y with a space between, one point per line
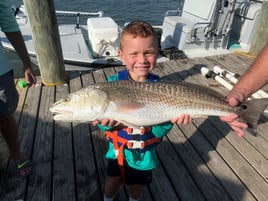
182 119
106 122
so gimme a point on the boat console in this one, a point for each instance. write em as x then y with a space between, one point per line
208 24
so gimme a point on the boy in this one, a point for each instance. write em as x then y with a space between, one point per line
128 161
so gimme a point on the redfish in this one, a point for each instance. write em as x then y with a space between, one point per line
139 104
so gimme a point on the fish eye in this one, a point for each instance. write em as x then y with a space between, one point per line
65 99
244 107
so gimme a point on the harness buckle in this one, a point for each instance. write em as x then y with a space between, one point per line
116 151
134 144
135 131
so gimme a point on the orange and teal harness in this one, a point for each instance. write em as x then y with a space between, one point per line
138 140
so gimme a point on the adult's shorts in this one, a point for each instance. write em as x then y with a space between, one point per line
9 96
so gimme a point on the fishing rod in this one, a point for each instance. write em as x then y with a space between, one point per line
211 74
216 76
233 77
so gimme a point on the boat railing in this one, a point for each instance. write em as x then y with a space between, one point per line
196 26
78 15
173 12
75 13
21 15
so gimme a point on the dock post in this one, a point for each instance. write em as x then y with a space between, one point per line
45 33
260 38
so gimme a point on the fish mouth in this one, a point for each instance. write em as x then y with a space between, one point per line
61 114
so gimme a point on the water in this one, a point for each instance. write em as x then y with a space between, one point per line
121 11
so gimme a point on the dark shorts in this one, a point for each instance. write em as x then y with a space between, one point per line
9 96
132 176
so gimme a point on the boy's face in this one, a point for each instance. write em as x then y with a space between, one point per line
139 55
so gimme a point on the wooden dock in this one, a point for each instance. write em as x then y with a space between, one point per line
204 160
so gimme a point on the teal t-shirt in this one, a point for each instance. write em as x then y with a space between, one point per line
141 161
8 23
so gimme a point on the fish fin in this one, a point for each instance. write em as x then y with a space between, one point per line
253 131
129 124
251 111
191 86
199 116
125 106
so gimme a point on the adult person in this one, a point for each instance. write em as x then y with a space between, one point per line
8 93
252 80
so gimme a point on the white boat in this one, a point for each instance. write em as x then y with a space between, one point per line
84 47
209 27
196 28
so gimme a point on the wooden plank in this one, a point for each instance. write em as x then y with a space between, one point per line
197 163
63 180
99 76
161 188
262 129
14 187
177 173
88 187
39 186
231 62
109 72
252 180
225 175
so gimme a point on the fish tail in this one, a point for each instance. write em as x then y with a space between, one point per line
251 111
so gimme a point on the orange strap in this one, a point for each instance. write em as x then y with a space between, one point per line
119 150
152 140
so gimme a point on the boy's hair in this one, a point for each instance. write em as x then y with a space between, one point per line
138 28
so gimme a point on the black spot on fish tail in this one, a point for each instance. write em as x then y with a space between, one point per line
250 112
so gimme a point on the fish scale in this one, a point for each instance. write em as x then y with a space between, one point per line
182 94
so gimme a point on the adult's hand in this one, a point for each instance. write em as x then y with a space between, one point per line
234 98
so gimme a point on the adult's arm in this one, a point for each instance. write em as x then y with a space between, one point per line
17 42
251 81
